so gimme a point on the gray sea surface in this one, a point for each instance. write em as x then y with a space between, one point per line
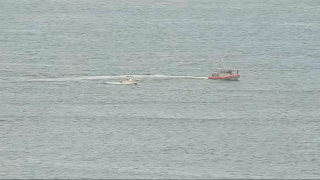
64 114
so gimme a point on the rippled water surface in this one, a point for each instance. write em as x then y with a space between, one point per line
64 114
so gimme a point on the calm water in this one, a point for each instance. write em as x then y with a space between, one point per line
63 113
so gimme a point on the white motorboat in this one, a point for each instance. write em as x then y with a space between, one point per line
129 81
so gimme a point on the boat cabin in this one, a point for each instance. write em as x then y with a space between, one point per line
222 72
226 71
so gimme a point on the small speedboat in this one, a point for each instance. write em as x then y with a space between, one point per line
225 74
129 81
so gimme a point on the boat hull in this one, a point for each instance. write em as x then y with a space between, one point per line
230 77
129 82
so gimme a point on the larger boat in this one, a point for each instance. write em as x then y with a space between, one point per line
225 74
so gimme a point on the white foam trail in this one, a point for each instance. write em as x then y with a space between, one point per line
166 76
97 77
190 77
113 77
117 83
75 78
26 64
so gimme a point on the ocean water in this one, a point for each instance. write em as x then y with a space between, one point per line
64 114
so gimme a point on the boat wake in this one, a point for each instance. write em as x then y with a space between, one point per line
32 64
141 77
74 78
116 83
165 77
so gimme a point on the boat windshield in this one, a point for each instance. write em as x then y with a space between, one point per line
226 71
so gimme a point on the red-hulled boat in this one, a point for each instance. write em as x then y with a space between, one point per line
225 75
